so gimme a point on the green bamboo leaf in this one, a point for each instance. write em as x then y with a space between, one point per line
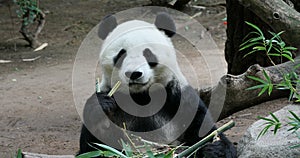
256 87
288 57
272 54
127 149
149 153
274 117
255 27
109 154
257 79
277 36
170 153
253 51
290 48
277 126
19 153
264 131
295 116
288 52
263 91
260 38
295 146
90 154
270 47
262 48
250 33
267 76
111 149
248 46
270 89
266 119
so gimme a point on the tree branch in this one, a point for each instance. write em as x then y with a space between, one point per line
238 98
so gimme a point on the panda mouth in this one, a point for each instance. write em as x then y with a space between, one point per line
137 84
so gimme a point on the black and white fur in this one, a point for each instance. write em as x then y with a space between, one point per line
141 55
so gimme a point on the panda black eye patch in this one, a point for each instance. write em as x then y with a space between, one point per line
118 59
150 57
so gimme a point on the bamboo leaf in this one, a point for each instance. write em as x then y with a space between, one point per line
272 54
255 27
290 48
90 154
257 79
253 51
263 91
112 150
248 46
274 117
270 89
262 48
256 87
295 116
277 126
288 57
127 149
266 76
266 119
19 153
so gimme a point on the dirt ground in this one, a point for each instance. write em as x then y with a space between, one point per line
37 108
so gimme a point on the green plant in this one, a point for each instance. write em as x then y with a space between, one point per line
274 47
151 149
271 47
29 13
19 154
28 10
274 121
294 122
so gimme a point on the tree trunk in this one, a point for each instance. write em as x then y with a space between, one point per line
237 97
32 37
275 16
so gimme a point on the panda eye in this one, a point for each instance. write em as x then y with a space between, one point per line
118 59
150 57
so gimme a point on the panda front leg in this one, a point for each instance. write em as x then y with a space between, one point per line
221 148
86 141
93 119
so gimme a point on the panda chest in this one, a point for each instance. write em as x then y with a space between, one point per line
155 113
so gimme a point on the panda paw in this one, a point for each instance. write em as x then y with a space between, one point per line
107 103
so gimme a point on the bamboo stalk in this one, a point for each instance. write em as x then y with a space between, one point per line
201 143
114 89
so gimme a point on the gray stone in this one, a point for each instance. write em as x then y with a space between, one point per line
270 145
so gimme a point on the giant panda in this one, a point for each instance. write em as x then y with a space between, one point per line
141 55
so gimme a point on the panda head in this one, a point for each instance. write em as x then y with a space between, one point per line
138 54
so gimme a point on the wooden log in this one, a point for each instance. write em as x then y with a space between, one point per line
234 88
35 155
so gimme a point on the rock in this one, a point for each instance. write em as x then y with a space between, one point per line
270 145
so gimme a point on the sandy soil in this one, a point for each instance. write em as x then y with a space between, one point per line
37 108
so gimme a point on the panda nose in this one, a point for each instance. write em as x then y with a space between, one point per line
133 75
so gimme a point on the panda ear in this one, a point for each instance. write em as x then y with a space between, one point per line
107 25
164 22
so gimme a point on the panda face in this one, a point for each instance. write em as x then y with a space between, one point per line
136 68
138 54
